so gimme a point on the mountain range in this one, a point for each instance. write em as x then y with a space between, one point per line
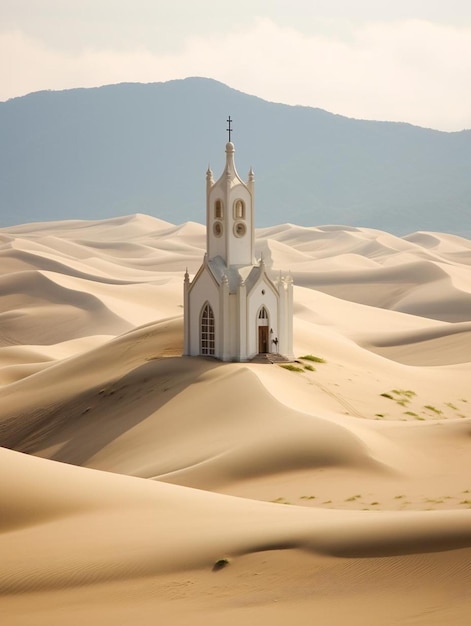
144 148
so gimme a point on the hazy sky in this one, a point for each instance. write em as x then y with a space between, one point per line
404 60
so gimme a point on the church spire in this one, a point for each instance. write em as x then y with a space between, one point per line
229 209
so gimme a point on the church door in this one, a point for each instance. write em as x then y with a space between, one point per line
263 339
263 335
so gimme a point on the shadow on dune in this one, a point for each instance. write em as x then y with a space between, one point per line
74 430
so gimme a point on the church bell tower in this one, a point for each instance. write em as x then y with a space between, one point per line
230 212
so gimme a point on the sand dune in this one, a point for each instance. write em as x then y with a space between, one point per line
331 492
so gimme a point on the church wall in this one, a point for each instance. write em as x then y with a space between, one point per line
204 290
233 324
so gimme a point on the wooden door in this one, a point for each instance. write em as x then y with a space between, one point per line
263 339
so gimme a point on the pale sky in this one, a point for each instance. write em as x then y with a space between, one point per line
400 60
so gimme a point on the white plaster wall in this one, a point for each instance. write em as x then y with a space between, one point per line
204 289
233 325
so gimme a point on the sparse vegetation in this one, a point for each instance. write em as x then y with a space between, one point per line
280 500
310 368
411 413
408 393
353 498
220 564
311 357
402 401
292 368
429 407
400 396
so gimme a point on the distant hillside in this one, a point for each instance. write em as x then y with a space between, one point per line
120 149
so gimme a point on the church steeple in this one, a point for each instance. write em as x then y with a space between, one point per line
229 213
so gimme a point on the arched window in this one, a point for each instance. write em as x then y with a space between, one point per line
263 315
218 210
239 210
207 330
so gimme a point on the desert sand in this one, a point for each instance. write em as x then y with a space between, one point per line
141 487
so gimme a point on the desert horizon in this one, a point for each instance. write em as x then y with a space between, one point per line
141 485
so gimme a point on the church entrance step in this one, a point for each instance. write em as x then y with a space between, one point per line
269 357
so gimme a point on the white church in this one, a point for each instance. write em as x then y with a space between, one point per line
233 310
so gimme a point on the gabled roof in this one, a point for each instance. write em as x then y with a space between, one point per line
251 275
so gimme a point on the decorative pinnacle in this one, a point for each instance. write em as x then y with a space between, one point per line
209 177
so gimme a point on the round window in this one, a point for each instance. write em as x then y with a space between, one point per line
239 229
217 229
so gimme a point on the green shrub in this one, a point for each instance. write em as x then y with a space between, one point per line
311 357
220 563
408 393
433 409
292 368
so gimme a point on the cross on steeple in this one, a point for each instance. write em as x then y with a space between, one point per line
229 129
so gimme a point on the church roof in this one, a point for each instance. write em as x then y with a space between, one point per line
230 174
234 274
247 273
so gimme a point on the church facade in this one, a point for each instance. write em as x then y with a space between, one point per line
233 309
